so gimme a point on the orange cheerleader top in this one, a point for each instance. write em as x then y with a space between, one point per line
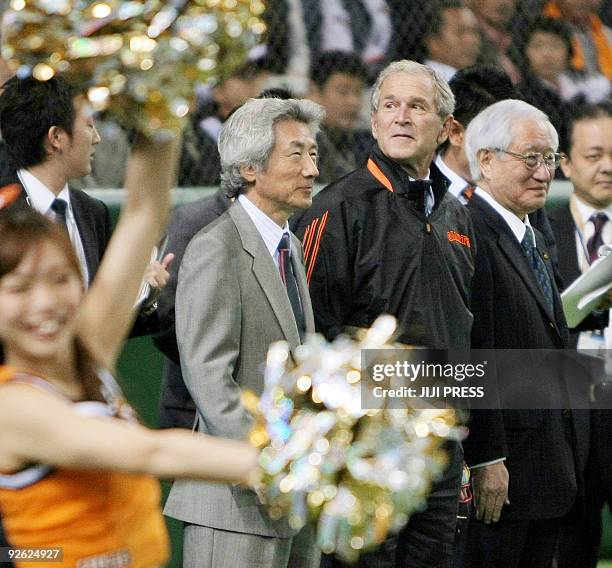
101 519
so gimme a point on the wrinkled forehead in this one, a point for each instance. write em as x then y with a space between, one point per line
406 85
290 132
592 131
530 134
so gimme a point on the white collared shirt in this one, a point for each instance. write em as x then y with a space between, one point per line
430 200
585 211
41 198
447 71
270 232
517 226
458 184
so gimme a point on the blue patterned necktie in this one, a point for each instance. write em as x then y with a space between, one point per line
59 207
538 266
288 278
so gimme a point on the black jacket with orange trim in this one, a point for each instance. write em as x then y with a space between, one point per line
370 249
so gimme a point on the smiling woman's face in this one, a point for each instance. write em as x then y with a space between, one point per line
38 304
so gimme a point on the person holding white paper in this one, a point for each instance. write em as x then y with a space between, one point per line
585 224
581 228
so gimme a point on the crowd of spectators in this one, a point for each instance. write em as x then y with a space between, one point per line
558 54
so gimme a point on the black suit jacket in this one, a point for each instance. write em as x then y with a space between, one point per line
92 218
545 450
177 408
564 230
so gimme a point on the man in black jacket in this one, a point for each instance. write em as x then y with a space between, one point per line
388 238
526 464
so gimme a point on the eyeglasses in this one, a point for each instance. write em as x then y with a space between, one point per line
533 160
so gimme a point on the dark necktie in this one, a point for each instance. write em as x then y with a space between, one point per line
288 278
59 207
538 266
468 192
598 220
360 22
420 192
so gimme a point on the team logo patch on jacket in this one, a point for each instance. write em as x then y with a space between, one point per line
455 237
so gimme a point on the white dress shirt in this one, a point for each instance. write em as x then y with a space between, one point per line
270 231
517 226
584 230
40 198
458 184
447 71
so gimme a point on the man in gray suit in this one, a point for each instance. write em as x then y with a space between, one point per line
242 286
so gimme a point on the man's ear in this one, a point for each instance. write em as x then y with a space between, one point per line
54 140
456 134
248 173
566 166
443 134
485 158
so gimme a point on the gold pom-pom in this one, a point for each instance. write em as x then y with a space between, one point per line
141 59
356 473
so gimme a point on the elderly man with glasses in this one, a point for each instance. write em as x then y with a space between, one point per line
526 464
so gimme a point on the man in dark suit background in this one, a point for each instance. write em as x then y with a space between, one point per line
526 464
50 136
584 224
475 88
177 409
581 227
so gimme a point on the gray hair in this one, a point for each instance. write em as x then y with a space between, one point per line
248 138
443 96
493 128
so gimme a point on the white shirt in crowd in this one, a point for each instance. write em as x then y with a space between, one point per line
582 213
40 198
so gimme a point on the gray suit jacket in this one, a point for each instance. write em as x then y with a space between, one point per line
230 306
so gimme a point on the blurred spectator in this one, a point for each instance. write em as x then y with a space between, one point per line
109 161
452 39
362 27
549 82
547 52
592 40
200 163
605 12
338 81
409 20
475 88
494 17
